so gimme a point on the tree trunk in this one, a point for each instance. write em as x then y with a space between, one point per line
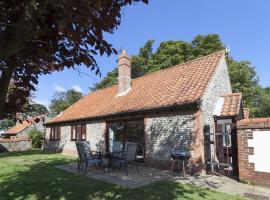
5 78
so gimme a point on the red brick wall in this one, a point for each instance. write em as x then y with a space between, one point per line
247 169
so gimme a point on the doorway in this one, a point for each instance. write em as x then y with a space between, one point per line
226 147
126 131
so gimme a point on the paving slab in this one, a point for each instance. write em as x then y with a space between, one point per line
150 175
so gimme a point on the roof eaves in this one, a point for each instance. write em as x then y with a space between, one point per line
195 104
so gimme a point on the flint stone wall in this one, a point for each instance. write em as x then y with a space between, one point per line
15 145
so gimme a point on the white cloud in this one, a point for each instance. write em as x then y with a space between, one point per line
58 88
77 88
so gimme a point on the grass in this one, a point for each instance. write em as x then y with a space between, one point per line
32 175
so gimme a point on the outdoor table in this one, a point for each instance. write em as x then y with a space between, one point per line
109 155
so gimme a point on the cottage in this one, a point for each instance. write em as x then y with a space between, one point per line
21 129
17 139
162 111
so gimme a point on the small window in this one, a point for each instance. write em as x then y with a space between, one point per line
55 133
78 132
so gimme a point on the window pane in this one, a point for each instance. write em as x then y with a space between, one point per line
73 132
129 131
83 132
58 132
78 132
53 132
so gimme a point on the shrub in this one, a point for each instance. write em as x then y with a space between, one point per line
37 137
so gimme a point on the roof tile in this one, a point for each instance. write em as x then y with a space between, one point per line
232 104
20 126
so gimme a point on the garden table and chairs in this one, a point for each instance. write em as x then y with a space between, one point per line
122 155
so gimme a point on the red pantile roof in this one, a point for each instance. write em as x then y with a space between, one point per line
174 86
20 126
232 104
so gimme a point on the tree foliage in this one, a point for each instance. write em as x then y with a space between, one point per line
40 37
62 100
244 79
36 136
34 109
7 123
263 107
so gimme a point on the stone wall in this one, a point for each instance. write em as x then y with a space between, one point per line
173 131
219 85
94 134
15 144
253 154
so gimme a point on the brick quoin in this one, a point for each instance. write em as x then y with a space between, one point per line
247 169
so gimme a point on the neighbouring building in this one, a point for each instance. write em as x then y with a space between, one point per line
17 139
163 111
21 129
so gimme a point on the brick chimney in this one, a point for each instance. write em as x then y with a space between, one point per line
246 113
124 74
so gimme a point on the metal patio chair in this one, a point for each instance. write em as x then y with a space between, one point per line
86 158
128 156
117 149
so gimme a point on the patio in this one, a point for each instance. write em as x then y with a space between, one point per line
150 175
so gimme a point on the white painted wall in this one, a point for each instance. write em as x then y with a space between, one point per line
261 144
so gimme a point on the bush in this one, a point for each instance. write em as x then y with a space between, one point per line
37 137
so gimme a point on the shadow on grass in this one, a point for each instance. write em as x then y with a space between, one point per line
35 177
25 153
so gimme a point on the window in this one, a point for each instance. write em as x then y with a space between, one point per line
78 132
55 133
227 137
127 131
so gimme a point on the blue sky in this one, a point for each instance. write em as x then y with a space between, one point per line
242 24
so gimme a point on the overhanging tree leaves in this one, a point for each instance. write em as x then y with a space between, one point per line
42 36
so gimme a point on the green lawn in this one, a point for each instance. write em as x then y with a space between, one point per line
32 175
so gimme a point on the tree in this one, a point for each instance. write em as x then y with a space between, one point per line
168 54
203 45
7 123
62 100
35 109
40 37
244 79
36 136
263 106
